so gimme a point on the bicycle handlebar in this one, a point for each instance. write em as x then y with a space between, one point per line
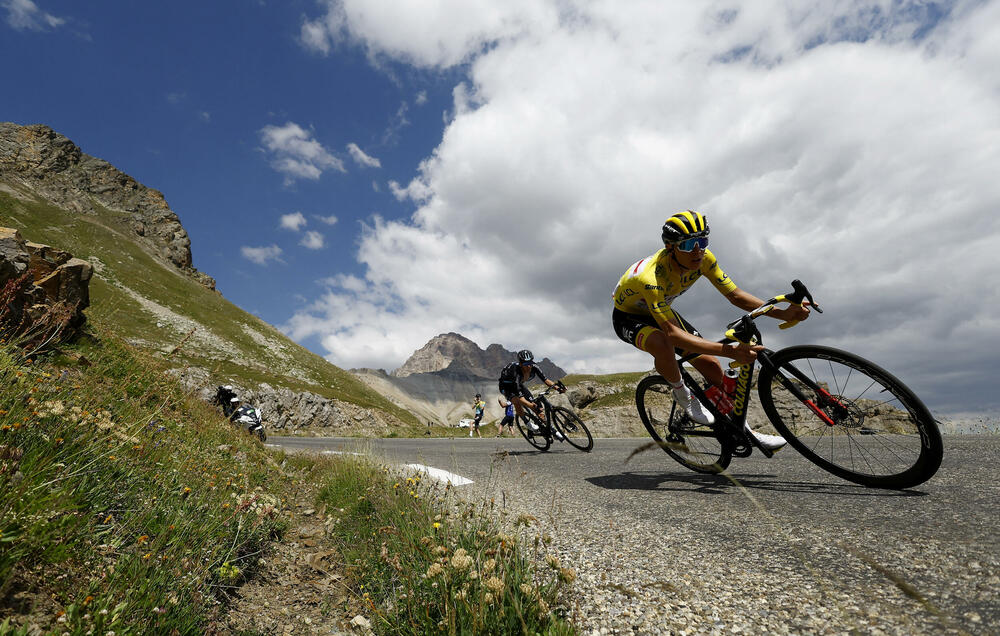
558 386
745 330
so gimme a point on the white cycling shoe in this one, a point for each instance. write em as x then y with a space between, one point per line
773 443
693 408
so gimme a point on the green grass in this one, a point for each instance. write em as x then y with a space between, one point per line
125 504
125 264
128 505
424 565
631 378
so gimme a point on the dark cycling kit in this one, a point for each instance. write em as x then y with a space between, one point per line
512 380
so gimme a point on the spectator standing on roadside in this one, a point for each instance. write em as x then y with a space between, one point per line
479 406
508 416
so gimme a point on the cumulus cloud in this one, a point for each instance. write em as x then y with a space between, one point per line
852 145
295 153
312 240
329 220
361 158
294 221
25 15
261 255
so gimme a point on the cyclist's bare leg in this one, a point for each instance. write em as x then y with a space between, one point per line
534 406
659 345
521 403
710 368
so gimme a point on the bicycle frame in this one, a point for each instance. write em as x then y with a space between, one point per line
546 407
730 428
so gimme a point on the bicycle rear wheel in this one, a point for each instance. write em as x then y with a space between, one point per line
533 430
693 445
851 417
573 428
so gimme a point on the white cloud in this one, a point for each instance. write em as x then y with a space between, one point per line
361 158
329 220
296 154
261 255
25 15
312 240
314 37
294 221
824 141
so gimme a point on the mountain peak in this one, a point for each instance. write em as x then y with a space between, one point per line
457 354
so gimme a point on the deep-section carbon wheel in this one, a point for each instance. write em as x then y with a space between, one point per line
691 444
572 427
533 430
850 417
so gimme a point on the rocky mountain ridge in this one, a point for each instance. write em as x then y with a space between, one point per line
135 258
438 381
458 355
36 160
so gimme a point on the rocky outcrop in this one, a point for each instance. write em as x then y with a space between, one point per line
286 411
45 290
52 167
458 355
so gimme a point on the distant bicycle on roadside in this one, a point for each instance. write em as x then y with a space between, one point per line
843 413
560 424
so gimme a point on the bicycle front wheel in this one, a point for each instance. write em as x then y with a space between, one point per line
693 445
850 417
572 427
533 430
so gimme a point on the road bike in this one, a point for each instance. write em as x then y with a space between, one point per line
559 421
843 413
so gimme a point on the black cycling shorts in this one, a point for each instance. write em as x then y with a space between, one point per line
511 389
635 328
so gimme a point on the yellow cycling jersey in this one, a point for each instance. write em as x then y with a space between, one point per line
650 286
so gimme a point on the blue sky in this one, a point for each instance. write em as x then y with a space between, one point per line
180 95
492 168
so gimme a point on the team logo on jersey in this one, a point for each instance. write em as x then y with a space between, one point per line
654 287
723 279
690 278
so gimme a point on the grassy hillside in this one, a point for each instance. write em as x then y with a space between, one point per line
127 506
154 306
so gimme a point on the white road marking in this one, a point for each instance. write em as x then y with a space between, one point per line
441 475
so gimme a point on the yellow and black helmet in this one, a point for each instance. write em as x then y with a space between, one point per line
684 225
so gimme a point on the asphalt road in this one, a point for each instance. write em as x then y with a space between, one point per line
925 560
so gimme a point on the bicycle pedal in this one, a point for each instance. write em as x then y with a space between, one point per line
742 450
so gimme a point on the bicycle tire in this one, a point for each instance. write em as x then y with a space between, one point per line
539 439
573 429
693 446
873 430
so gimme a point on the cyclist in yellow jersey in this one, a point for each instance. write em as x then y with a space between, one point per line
643 315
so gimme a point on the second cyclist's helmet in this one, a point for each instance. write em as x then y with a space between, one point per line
525 356
684 225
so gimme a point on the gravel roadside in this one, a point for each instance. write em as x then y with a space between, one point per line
708 564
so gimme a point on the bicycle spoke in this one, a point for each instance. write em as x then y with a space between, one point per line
863 424
693 446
